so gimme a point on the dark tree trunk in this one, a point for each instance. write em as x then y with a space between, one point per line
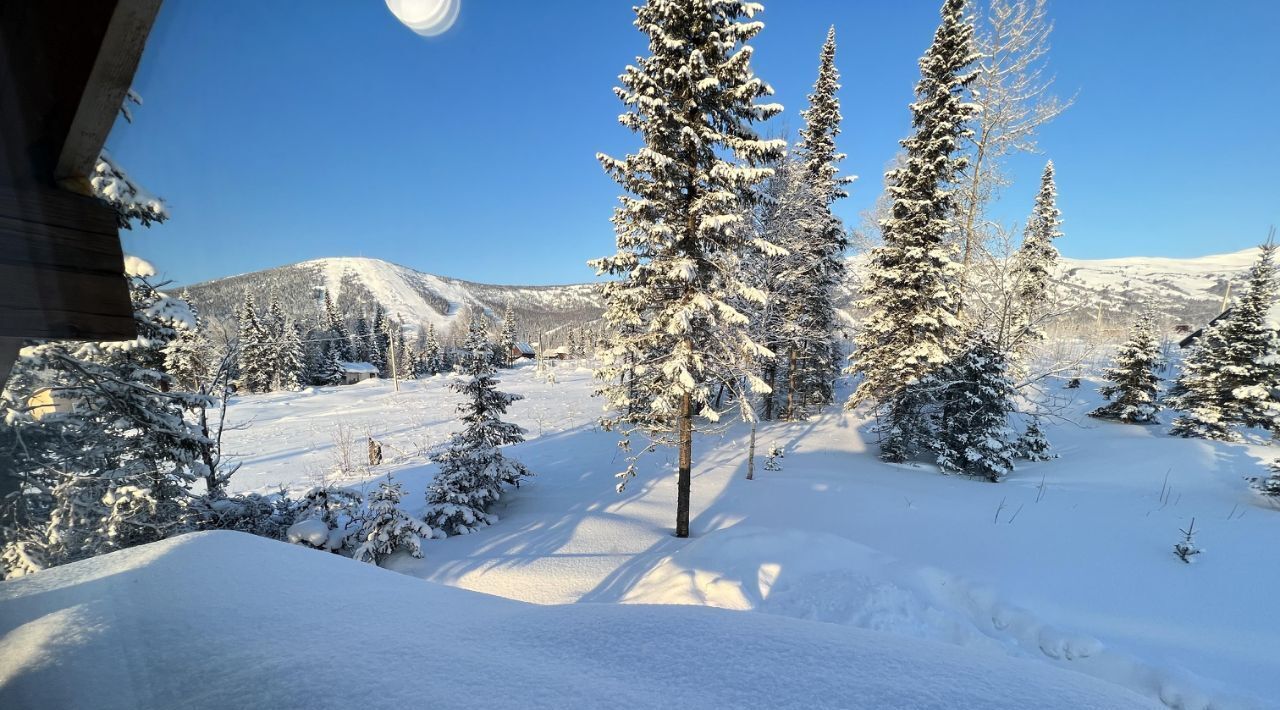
685 475
770 377
791 385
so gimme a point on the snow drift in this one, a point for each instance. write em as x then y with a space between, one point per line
217 620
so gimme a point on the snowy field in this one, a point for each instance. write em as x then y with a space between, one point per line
1068 564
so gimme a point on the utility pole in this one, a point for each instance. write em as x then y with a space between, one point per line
1226 298
395 372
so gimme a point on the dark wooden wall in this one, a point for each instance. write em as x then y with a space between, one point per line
64 71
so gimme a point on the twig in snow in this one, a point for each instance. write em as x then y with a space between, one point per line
1015 514
998 509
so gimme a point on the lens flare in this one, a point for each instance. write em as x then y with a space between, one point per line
426 17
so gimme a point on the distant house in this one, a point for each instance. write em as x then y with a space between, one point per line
557 354
353 372
522 351
46 401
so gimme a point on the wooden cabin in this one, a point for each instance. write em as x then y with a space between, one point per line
353 372
521 351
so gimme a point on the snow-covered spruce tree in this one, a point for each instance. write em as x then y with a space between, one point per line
677 336
325 518
1033 268
1198 393
1269 485
380 342
817 359
186 357
386 528
132 202
973 436
329 369
1134 389
785 270
274 322
360 341
256 367
429 352
1032 444
290 372
909 295
473 469
337 327
507 337
1229 374
117 469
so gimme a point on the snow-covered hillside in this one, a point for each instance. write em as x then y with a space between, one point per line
1182 290
1190 290
415 297
838 536
226 620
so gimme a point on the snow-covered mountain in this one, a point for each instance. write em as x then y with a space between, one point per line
414 297
1112 291
1187 290
1182 290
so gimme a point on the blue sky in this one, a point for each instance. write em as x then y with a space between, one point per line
288 130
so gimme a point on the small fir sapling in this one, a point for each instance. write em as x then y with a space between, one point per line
1134 390
473 468
1268 485
1186 548
1032 445
771 458
387 528
973 426
324 518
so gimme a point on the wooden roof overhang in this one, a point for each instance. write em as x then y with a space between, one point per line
64 73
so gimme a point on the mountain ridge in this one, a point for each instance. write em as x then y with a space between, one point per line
1186 290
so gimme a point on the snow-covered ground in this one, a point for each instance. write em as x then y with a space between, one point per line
227 620
1067 564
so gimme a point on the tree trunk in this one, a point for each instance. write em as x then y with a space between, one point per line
791 384
751 454
770 378
685 475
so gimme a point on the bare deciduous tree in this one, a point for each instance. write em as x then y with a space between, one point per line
1014 90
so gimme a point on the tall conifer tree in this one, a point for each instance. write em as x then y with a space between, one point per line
1033 267
692 100
910 293
256 365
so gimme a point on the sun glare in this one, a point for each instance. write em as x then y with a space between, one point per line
426 17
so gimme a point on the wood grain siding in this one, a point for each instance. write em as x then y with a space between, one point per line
64 72
105 91
61 268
